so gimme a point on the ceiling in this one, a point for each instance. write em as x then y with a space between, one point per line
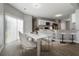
47 10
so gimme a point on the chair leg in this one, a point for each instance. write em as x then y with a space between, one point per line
21 50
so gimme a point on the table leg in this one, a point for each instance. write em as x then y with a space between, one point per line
62 38
38 47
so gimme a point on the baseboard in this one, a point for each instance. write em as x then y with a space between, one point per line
76 41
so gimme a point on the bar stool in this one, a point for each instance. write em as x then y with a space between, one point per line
72 34
62 38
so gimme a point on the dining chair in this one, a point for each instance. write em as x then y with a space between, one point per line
25 43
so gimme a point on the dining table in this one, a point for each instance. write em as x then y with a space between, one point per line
38 37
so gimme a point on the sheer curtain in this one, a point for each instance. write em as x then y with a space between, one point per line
11 29
13 26
19 27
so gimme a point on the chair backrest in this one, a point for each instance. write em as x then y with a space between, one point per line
26 42
22 37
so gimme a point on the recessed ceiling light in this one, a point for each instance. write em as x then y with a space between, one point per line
36 5
58 15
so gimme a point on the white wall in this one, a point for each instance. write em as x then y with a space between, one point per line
77 24
75 19
27 23
10 10
1 27
63 25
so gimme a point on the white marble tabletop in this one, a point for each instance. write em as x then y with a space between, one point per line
36 36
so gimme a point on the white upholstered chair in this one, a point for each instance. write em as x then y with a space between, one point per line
26 43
